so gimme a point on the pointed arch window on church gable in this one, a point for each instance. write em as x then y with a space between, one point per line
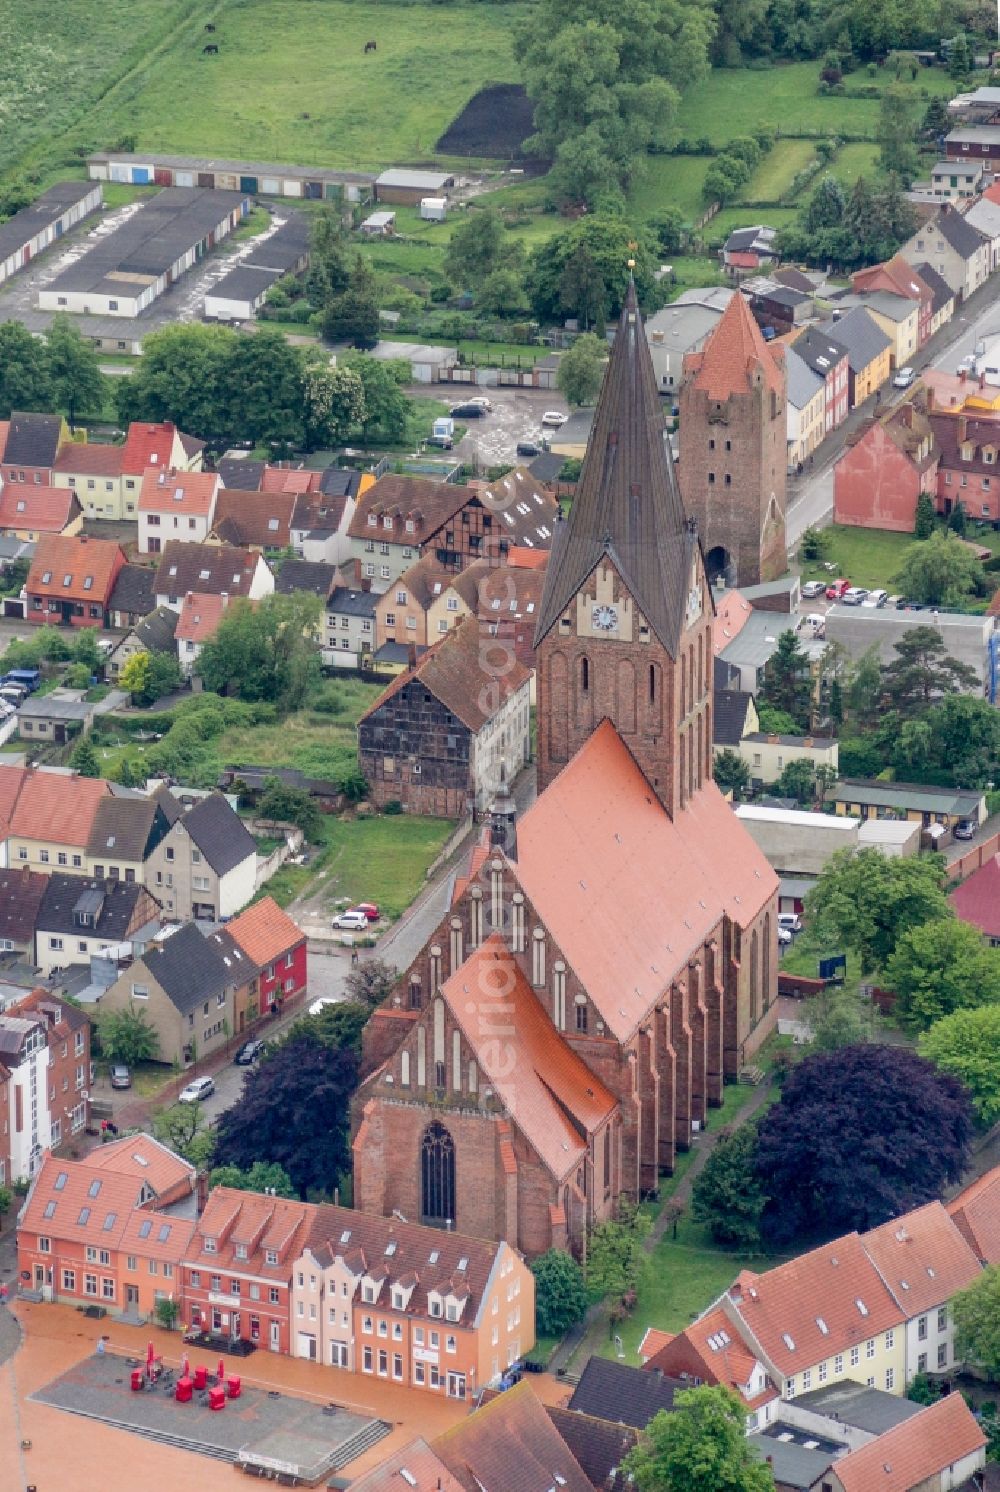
437 1179
581 1013
766 961
457 954
475 921
456 1061
421 1057
754 985
584 674
439 1030
404 1070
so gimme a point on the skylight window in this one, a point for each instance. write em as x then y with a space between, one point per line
94 1189
345 1237
164 1233
88 582
861 1306
84 1217
822 1326
434 1256
60 1181
789 1343
47 576
50 1209
203 574
67 580
109 1221
145 1227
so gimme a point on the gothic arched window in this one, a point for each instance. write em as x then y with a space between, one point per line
766 972
437 1175
754 986
584 674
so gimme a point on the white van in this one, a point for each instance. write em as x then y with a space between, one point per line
815 623
875 598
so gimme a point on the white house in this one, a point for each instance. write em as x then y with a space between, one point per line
24 1051
176 505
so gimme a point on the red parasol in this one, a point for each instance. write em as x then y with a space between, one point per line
222 1371
185 1367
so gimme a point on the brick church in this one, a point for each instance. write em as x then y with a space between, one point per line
609 958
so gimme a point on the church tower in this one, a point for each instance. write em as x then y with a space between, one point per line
733 448
625 624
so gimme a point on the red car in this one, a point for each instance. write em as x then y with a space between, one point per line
369 908
836 589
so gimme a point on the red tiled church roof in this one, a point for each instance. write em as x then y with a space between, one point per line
733 352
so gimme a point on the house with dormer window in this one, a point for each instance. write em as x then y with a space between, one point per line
238 1270
176 505
410 1304
71 580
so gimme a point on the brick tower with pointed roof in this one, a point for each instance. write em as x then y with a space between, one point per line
733 439
624 627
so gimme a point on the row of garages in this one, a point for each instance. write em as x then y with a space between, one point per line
400 185
35 228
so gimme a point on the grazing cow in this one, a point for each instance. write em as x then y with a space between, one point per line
370 47
210 51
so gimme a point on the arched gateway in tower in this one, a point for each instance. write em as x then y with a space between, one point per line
606 962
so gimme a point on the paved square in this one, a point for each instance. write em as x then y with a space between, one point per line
259 1428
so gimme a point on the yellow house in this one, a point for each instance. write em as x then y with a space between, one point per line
821 1318
869 351
52 817
94 473
401 612
768 756
898 318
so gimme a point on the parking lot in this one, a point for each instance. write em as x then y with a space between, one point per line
516 415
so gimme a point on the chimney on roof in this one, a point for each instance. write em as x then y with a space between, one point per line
225 599
962 375
201 1191
963 425
189 596
411 655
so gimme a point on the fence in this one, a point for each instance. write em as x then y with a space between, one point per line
972 860
267 865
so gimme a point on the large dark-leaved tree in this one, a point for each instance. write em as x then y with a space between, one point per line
266 650
860 1135
294 1112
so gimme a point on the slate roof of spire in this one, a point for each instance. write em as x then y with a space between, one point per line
733 352
628 503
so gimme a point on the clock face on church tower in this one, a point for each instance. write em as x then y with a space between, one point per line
604 618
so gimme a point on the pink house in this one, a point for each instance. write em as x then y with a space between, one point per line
888 462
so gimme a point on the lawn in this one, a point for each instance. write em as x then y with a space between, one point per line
383 859
291 82
865 556
739 101
729 218
57 59
852 161
773 177
669 181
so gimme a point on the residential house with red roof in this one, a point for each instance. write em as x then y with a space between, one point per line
512 1430
71 580
197 624
31 444
976 1214
175 505
446 732
622 930
321 519
277 946
95 1232
28 512
924 1260
897 277
51 819
823 1316
238 1268
940 1449
94 474
161 446
412 1305
506 599
710 1350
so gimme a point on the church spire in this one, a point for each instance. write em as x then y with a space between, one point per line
628 503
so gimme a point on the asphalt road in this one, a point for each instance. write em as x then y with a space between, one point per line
810 500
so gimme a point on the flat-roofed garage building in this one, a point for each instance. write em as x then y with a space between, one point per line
34 228
239 295
124 273
259 178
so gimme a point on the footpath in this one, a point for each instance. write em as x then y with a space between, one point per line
589 1335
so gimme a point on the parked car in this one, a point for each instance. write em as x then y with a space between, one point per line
855 595
903 378
440 442
836 589
814 623
784 937
813 588
369 908
968 363
528 448
249 1052
482 401
351 921
120 1076
467 412
875 598
553 418
903 604
197 1090
965 829
790 920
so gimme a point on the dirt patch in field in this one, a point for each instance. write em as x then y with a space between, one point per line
494 123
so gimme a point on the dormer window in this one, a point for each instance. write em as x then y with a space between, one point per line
968 450
398 1299
452 1312
411 527
209 1245
435 1305
387 522
368 1292
270 1256
372 520
240 1251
